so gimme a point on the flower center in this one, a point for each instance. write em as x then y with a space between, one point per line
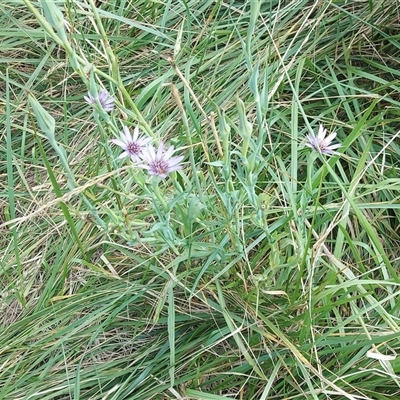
133 148
160 167
323 145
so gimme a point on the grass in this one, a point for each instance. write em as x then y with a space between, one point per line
262 269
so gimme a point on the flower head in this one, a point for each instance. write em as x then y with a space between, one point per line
322 143
104 98
132 145
158 162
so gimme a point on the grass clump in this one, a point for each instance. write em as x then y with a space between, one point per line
260 269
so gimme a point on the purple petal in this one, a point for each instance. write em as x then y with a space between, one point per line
89 98
144 166
169 152
174 168
151 152
334 146
104 94
135 158
118 143
135 133
329 138
125 135
321 133
160 150
123 155
175 160
144 141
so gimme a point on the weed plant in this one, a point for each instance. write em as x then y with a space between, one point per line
259 268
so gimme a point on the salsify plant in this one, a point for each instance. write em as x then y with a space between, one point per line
321 142
199 200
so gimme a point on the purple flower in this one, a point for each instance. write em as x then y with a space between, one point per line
322 143
104 98
132 145
159 163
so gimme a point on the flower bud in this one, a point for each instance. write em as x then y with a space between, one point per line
45 121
